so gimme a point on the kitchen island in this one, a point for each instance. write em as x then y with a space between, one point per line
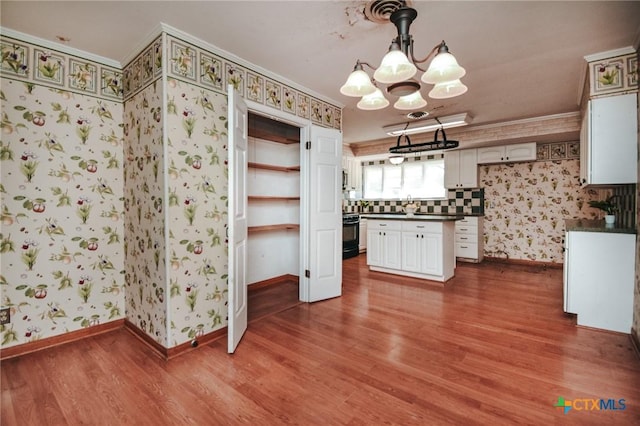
419 245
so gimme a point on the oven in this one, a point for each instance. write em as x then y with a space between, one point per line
350 235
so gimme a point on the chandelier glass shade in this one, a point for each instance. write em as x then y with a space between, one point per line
409 102
399 66
373 101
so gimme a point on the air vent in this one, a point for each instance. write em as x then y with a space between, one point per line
416 115
379 11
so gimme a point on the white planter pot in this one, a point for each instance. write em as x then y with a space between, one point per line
610 219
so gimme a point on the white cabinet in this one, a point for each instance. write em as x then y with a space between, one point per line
422 249
353 169
609 141
362 242
461 169
383 244
507 153
470 239
599 279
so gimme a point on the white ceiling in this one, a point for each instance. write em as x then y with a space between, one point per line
523 59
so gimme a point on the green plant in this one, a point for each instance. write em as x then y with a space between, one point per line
606 206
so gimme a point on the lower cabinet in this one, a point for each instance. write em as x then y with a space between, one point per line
383 244
599 270
470 239
422 249
362 240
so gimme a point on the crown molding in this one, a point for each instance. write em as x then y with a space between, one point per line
142 44
48 44
242 62
610 54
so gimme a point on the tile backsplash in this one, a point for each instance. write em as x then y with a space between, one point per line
460 201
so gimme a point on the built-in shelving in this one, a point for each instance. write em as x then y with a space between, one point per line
276 227
273 188
272 198
273 167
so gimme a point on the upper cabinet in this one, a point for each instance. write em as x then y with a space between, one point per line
461 169
609 141
507 153
608 137
352 168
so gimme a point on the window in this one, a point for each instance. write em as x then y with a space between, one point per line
419 179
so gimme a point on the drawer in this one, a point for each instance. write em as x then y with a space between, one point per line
389 225
468 220
469 250
467 238
431 227
466 229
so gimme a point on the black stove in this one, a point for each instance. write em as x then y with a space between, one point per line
350 235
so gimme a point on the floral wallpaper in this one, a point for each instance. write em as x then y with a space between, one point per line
62 202
144 205
188 299
197 210
526 205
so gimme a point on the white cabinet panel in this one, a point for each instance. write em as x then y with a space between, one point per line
507 153
470 239
608 141
383 244
362 242
461 169
599 278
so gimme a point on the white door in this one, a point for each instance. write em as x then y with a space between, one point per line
237 294
324 270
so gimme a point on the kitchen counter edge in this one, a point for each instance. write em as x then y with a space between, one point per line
418 217
594 225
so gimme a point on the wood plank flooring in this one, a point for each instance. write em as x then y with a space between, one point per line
491 347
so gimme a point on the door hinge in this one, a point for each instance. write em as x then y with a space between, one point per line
307 273
308 145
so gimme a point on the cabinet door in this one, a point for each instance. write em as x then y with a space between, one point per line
391 249
374 247
431 253
520 152
411 251
468 168
585 149
362 242
614 140
452 169
491 154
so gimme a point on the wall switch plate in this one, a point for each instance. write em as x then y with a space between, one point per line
5 316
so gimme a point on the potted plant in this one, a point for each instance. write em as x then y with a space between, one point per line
608 207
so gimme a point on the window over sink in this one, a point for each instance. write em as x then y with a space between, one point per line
420 179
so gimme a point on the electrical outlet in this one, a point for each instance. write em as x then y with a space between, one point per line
5 316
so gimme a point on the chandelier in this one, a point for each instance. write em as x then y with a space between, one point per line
399 66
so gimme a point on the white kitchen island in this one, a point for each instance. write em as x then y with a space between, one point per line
420 246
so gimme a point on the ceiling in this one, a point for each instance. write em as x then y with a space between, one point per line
523 59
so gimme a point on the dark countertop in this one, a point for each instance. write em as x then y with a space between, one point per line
419 217
595 225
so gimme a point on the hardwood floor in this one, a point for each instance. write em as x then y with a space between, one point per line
491 347
274 298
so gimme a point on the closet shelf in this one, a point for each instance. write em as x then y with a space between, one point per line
274 168
272 198
278 227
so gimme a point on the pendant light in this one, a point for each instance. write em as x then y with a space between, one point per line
399 66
